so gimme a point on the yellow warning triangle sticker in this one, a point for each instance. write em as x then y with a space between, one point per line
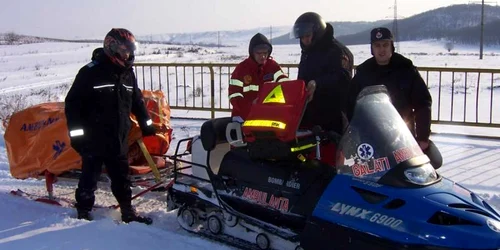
275 96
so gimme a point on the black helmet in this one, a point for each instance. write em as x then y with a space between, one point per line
309 23
120 40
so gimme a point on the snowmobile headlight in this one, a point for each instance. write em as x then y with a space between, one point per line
421 175
493 225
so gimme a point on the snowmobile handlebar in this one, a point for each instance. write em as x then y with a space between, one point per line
324 135
328 135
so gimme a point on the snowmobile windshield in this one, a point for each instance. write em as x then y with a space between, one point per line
377 141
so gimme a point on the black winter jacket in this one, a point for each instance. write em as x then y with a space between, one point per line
100 102
329 63
407 90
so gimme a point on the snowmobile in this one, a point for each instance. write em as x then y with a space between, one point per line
382 192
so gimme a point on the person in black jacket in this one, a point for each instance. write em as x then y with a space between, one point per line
326 67
97 108
406 88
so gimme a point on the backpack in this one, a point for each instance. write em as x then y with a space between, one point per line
271 129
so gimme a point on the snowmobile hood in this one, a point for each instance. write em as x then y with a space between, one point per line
443 215
386 187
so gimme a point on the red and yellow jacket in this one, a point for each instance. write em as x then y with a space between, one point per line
245 81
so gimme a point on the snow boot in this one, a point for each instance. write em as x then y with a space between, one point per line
131 215
84 215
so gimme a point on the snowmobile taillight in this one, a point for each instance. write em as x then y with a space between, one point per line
493 225
422 175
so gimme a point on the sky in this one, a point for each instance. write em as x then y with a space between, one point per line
94 18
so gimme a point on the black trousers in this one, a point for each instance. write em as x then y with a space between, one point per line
117 168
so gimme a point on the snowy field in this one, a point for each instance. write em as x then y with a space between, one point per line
35 73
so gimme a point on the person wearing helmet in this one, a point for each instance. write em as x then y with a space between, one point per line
326 66
408 92
97 109
249 74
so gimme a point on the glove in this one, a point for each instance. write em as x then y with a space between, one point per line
311 88
148 131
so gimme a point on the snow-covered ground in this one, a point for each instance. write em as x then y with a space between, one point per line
36 73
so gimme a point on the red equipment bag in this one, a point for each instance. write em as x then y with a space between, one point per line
271 128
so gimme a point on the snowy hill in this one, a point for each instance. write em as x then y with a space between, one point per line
276 34
457 23
231 38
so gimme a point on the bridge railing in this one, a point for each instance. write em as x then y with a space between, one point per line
461 96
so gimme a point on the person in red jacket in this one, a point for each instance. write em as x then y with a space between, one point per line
254 71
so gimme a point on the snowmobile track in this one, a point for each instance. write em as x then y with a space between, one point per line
225 239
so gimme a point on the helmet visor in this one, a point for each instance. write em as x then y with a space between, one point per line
131 46
123 50
301 29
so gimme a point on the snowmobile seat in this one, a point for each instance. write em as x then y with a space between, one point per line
214 146
213 132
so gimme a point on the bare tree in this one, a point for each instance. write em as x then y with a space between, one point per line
12 38
9 105
449 46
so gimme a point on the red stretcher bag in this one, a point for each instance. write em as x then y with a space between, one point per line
271 128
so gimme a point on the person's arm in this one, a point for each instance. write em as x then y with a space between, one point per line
354 89
278 73
76 108
421 102
333 83
235 91
333 79
140 111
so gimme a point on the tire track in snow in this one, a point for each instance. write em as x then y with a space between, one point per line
35 85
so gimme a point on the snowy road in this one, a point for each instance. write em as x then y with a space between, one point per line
472 162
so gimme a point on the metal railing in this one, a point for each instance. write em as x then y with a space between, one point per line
461 96
464 96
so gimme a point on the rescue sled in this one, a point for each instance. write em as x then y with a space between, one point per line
383 192
38 146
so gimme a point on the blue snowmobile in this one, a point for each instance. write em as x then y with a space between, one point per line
383 192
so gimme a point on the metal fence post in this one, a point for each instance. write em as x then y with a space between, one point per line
212 91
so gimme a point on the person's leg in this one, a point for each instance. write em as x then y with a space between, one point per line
87 184
118 171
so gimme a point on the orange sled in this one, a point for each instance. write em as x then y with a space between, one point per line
38 144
